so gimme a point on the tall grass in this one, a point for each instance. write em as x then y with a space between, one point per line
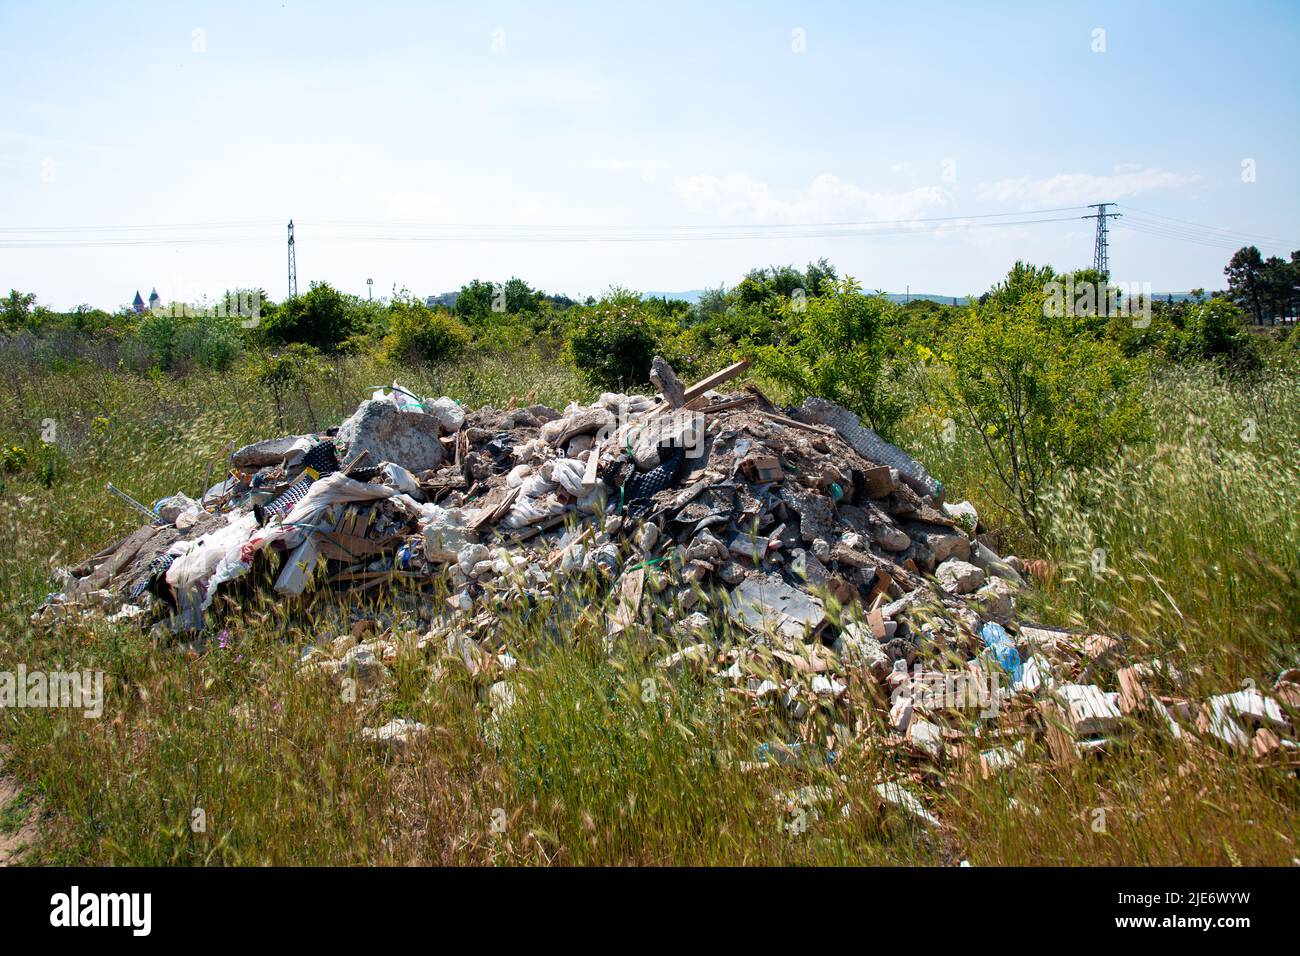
609 759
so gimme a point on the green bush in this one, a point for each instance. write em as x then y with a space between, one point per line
323 318
417 333
178 338
613 342
1039 396
295 370
1216 329
837 350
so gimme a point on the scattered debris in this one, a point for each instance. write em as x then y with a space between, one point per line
789 555
396 735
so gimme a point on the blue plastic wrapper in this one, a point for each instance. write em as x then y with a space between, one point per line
997 640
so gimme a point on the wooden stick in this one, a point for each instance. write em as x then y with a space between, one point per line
729 403
361 455
703 385
818 429
716 379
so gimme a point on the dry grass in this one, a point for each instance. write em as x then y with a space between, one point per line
1201 542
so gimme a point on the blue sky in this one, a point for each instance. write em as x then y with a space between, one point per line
627 117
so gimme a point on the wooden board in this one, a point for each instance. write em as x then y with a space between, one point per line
629 602
120 558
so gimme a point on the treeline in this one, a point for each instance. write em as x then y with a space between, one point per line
778 312
1268 289
1045 368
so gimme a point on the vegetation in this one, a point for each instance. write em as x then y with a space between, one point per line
1168 448
836 349
1041 393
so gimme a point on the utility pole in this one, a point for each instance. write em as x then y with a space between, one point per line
1100 250
293 266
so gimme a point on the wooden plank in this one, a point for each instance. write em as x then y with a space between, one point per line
493 506
358 459
340 546
1058 741
793 423
119 559
714 380
629 602
692 398
589 478
1132 694
729 403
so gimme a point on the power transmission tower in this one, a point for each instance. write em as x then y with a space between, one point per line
1101 251
293 266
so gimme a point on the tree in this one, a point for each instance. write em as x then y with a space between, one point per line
613 342
1277 286
1245 285
837 350
765 287
712 303
324 318
482 298
417 333
1039 396
17 310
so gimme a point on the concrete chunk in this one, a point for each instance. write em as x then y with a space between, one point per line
409 439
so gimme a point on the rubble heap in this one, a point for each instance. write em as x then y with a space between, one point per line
830 550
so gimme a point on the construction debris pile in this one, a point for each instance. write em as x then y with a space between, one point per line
858 591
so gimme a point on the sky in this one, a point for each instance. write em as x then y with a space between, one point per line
660 146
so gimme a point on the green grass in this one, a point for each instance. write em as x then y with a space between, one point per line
15 813
593 764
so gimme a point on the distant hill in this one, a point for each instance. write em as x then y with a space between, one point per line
690 295
944 299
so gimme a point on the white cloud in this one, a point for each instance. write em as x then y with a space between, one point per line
738 197
1069 189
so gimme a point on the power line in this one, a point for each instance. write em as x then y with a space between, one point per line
1212 229
1156 234
156 226
725 226
523 228
1160 230
900 227
93 243
686 236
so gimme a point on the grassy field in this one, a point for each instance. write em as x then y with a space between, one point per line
1196 525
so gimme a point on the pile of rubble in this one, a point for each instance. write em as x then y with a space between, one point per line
855 590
